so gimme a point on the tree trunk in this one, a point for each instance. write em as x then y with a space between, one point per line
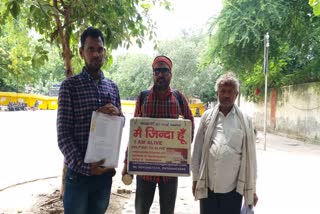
67 62
64 38
67 57
64 172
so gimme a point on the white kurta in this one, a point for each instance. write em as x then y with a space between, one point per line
224 157
247 172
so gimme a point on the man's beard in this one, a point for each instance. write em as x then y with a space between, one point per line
226 102
93 67
161 86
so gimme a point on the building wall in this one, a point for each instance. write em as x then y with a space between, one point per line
292 110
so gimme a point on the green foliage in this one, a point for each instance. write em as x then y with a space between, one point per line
204 83
62 22
25 61
188 76
184 54
237 42
15 60
49 73
315 4
119 20
132 73
238 32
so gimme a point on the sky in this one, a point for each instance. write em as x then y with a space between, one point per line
186 15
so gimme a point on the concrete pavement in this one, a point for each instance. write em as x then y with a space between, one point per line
288 175
288 180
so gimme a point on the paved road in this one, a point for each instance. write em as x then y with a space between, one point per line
28 143
288 172
288 177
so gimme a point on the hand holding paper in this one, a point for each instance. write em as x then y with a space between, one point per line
104 139
109 109
97 169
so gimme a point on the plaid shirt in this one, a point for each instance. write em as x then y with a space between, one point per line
79 96
162 106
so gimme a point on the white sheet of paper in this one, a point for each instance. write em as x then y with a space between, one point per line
246 210
104 139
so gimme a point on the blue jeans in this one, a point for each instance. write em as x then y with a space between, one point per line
221 203
145 193
87 194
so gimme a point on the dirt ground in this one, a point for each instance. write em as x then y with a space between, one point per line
48 203
43 197
52 203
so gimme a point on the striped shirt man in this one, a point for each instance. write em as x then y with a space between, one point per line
165 105
79 96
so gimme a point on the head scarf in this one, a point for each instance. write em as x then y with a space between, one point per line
162 59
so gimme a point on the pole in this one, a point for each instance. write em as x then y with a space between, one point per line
239 95
266 47
265 111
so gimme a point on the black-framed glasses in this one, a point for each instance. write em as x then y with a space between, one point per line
163 71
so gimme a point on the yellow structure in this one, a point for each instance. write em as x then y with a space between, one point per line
51 103
42 101
197 109
29 99
23 98
6 97
128 106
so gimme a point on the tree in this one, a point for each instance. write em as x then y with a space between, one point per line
204 83
19 54
189 76
24 60
62 21
132 73
52 72
316 7
236 42
184 52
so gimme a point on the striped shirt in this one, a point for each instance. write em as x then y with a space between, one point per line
79 96
165 105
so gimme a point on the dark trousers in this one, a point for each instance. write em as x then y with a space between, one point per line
221 203
86 194
145 193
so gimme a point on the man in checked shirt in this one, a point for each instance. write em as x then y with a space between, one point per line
87 185
160 102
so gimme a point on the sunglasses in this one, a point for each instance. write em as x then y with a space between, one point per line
164 71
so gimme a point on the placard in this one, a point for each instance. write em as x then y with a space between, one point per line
159 147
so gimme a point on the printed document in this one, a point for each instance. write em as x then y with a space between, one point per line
159 147
104 139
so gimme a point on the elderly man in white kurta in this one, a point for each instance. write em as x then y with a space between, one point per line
224 157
